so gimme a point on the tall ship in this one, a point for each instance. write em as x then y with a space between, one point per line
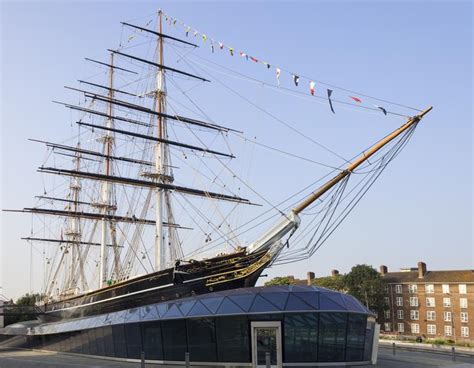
145 204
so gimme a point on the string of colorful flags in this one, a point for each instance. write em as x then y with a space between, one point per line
188 30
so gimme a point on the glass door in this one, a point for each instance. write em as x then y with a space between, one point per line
266 341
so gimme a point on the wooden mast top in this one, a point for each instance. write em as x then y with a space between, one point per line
355 164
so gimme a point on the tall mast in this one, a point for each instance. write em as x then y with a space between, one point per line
160 97
108 145
74 231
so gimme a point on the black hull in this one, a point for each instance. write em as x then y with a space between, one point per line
216 274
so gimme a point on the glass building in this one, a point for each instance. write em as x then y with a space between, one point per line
304 325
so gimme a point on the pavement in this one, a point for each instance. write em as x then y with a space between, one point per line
39 359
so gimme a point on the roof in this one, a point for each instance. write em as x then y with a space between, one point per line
256 300
458 276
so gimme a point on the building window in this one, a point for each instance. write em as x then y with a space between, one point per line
448 316
386 300
464 331
398 289
431 329
412 289
202 339
445 288
463 302
414 315
462 289
431 315
399 301
301 338
233 336
448 330
429 288
464 317
387 327
430 302
446 302
401 327
386 289
415 328
413 301
386 314
400 314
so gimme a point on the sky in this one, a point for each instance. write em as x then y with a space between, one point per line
418 53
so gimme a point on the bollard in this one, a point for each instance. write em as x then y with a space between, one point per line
453 354
142 359
393 348
186 360
267 359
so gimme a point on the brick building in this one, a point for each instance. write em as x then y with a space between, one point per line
430 304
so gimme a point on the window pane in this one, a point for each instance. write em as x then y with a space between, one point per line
174 339
355 337
120 345
84 339
134 340
202 339
92 342
233 342
332 336
152 344
99 334
301 337
108 341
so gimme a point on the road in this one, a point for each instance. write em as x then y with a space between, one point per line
39 359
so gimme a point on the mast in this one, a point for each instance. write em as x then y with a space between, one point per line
74 232
108 145
160 97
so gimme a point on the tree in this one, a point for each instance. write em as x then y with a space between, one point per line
331 282
19 314
281 281
365 283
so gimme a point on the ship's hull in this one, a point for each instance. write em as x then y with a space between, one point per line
220 273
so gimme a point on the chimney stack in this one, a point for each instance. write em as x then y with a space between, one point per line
310 278
383 270
334 273
421 269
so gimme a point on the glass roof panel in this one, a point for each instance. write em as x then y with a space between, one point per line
244 301
148 312
311 298
173 312
229 307
295 303
212 303
162 308
186 306
277 299
331 301
199 310
262 305
353 304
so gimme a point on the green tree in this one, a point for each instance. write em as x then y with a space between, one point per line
22 314
280 281
365 283
331 282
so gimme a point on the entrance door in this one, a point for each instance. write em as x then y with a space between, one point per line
266 338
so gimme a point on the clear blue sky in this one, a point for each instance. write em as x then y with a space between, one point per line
418 53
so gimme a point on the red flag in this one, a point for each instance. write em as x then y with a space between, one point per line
311 87
356 99
253 59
